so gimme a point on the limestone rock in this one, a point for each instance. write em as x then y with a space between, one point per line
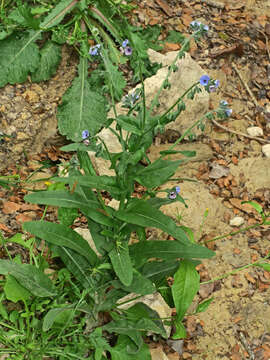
85 233
158 354
237 221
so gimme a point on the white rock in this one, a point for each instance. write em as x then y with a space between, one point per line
254 131
85 233
237 221
266 150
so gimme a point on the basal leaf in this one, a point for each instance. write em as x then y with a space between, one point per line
57 13
32 278
122 264
140 285
19 57
52 315
61 235
82 108
185 286
166 250
49 61
157 271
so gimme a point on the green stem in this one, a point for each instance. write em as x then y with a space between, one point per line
234 232
27 321
224 276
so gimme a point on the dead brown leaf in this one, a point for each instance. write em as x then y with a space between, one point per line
10 207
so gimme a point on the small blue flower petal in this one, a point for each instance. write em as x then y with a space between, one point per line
85 134
125 43
217 82
204 80
177 189
223 103
228 112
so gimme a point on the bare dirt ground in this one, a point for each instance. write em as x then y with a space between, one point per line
237 323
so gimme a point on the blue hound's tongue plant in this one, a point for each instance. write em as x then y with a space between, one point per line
124 261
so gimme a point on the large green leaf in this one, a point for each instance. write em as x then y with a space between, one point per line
61 235
157 173
82 108
157 271
121 263
140 284
143 214
49 61
166 250
70 200
185 286
19 57
32 278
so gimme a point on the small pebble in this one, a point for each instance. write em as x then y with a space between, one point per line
254 131
237 221
266 150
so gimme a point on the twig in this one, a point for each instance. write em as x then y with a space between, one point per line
245 85
266 43
246 346
239 133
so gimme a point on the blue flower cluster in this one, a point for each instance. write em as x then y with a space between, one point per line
85 137
223 105
129 100
94 50
125 48
209 84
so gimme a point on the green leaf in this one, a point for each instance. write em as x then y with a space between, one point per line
76 264
67 216
61 235
119 351
82 108
140 285
32 278
167 250
22 15
255 205
57 13
157 173
203 305
20 239
180 331
122 264
49 61
65 199
129 124
156 271
19 57
264 266
186 153
175 37
14 291
185 286
52 315
142 213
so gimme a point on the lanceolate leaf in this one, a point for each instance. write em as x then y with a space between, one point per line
82 108
49 61
19 57
167 250
119 351
61 235
122 264
185 286
32 278
143 214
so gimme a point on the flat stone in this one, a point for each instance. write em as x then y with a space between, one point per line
254 131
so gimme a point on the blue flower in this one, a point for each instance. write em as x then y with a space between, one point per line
124 43
228 112
85 134
172 195
196 25
204 80
94 50
223 103
177 189
213 87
